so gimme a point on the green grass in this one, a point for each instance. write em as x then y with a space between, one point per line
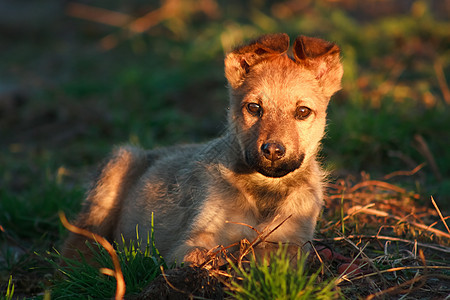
82 280
9 291
282 279
139 260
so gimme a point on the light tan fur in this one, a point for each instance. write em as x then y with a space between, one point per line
263 168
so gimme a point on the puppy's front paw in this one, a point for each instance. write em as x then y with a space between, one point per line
196 256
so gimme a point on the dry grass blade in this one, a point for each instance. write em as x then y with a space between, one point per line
169 9
389 238
439 69
117 273
346 276
243 224
421 279
405 173
379 213
377 183
261 237
440 214
398 289
96 14
265 233
423 148
402 269
275 228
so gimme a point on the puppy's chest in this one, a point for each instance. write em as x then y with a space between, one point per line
265 203
255 215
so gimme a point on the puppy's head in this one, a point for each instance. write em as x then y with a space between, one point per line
278 103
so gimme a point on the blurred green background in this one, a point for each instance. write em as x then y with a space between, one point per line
77 77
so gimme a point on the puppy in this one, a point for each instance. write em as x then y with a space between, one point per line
263 170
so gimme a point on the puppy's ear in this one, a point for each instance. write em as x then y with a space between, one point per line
322 58
239 62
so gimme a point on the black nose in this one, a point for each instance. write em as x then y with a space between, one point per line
273 151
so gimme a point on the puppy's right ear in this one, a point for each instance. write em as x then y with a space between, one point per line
239 62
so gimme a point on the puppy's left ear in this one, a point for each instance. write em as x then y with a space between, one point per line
322 58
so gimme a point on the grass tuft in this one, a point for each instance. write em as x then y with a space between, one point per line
281 279
82 279
9 290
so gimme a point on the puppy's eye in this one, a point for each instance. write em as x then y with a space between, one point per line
254 109
302 112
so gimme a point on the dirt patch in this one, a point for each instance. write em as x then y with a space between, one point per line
183 283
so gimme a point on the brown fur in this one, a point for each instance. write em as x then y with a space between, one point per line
194 190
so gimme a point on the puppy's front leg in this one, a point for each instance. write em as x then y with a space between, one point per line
196 256
194 251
